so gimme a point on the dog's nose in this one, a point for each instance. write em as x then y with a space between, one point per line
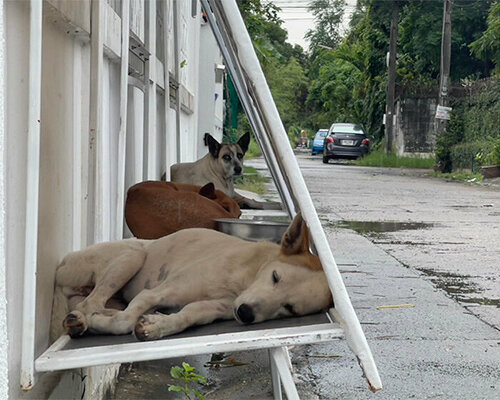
237 170
245 314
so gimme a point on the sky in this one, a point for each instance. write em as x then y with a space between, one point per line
297 20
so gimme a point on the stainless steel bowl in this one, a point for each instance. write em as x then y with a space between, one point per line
253 230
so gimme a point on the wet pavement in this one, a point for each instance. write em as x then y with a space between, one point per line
431 247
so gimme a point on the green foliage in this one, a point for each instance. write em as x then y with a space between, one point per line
253 149
467 155
381 159
256 14
252 181
458 176
327 17
489 154
444 142
480 112
494 156
294 136
420 39
333 93
186 375
231 135
288 85
348 83
487 47
473 128
283 64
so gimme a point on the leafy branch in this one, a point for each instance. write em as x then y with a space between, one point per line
186 375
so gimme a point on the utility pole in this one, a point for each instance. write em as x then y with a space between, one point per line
391 79
444 76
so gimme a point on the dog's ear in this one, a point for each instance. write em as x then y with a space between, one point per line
296 238
213 145
244 141
208 191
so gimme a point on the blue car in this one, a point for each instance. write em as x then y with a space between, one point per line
319 141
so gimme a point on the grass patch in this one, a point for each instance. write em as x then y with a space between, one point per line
458 176
252 181
380 159
253 150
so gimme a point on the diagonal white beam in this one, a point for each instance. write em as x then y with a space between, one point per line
230 21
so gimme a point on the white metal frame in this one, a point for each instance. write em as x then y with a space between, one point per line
32 183
122 135
268 127
150 92
58 358
98 226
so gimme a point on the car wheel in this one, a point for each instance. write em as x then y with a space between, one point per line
325 160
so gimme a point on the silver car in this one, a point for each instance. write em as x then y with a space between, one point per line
345 141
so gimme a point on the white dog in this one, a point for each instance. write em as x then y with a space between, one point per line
205 274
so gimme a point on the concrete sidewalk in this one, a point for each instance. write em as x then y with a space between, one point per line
433 349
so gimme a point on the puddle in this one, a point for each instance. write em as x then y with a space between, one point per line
379 227
458 287
480 300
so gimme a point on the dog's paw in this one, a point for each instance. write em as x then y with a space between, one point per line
74 324
147 328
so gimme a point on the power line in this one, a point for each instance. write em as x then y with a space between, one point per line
312 8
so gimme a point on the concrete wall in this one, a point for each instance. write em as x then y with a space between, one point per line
65 99
16 101
211 106
189 49
4 344
413 133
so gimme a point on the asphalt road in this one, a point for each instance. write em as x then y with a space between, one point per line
448 231
410 239
400 238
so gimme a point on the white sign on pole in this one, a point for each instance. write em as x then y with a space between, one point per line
443 112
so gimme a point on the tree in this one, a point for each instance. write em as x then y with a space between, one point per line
487 47
282 63
288 85
420 39
327 17
256 13
348 83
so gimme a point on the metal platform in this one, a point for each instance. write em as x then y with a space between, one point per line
223 336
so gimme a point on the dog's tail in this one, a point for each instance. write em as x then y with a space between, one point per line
60 309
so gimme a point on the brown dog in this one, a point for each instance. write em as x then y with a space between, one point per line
154 208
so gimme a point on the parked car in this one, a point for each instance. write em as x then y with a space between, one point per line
345 141
319 141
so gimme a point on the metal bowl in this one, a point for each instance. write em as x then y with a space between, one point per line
253 230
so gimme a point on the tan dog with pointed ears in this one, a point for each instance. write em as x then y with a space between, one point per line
223 162
206 274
